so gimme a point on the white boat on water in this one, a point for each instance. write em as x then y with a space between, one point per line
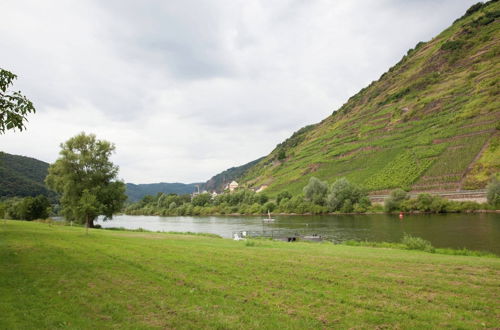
268 219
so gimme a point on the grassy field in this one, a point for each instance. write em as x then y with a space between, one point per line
58 277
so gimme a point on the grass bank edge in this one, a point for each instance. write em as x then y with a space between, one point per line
409 242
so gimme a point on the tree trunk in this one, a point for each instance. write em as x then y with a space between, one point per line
89 224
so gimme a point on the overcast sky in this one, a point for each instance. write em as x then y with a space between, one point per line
186 89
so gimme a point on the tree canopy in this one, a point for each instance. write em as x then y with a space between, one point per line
14 106
86 180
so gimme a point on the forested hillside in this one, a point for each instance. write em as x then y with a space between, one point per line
136 191
430 123
22 176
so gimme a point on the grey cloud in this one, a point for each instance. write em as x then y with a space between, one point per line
184 39
187 88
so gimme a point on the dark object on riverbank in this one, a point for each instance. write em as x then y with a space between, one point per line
287 239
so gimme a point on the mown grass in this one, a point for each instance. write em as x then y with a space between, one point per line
58 277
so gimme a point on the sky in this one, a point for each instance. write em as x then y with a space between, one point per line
186 89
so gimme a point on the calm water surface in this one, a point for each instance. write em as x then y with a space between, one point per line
473 231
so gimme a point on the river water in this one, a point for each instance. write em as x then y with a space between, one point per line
479 231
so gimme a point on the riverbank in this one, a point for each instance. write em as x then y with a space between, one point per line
264 215
59 277
351 213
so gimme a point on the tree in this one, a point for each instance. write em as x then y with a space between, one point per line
316 190
35 208
14 106
344 195
86 181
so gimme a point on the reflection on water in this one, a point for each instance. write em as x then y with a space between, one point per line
474 231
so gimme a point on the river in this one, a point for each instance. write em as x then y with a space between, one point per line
478 231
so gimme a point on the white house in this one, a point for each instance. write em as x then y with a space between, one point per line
233 185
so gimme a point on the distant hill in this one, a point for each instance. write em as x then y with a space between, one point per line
432 122
217 183
137 191
22 176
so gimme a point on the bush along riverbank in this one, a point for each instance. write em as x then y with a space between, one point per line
318 197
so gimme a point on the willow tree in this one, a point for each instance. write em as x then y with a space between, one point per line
86 180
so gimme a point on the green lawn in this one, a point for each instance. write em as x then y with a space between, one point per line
58 277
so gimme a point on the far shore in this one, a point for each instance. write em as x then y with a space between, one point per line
308 213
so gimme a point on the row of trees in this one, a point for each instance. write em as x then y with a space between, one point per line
400 200
28 208
242 201
318 198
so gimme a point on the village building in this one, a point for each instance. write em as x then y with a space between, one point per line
233 186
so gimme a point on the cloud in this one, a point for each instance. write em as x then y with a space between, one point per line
186 89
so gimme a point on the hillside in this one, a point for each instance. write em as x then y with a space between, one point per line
430 123
136 191
22 176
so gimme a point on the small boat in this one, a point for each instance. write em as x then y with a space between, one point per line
268 219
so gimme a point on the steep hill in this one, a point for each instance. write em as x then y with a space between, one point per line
22 176
430 123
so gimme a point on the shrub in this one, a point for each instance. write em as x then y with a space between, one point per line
281 154
438 205
393 202
452 45
201 199
359 208
493 193
417 243
424 202
262 198
472 9
346 206
269 206
28 208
